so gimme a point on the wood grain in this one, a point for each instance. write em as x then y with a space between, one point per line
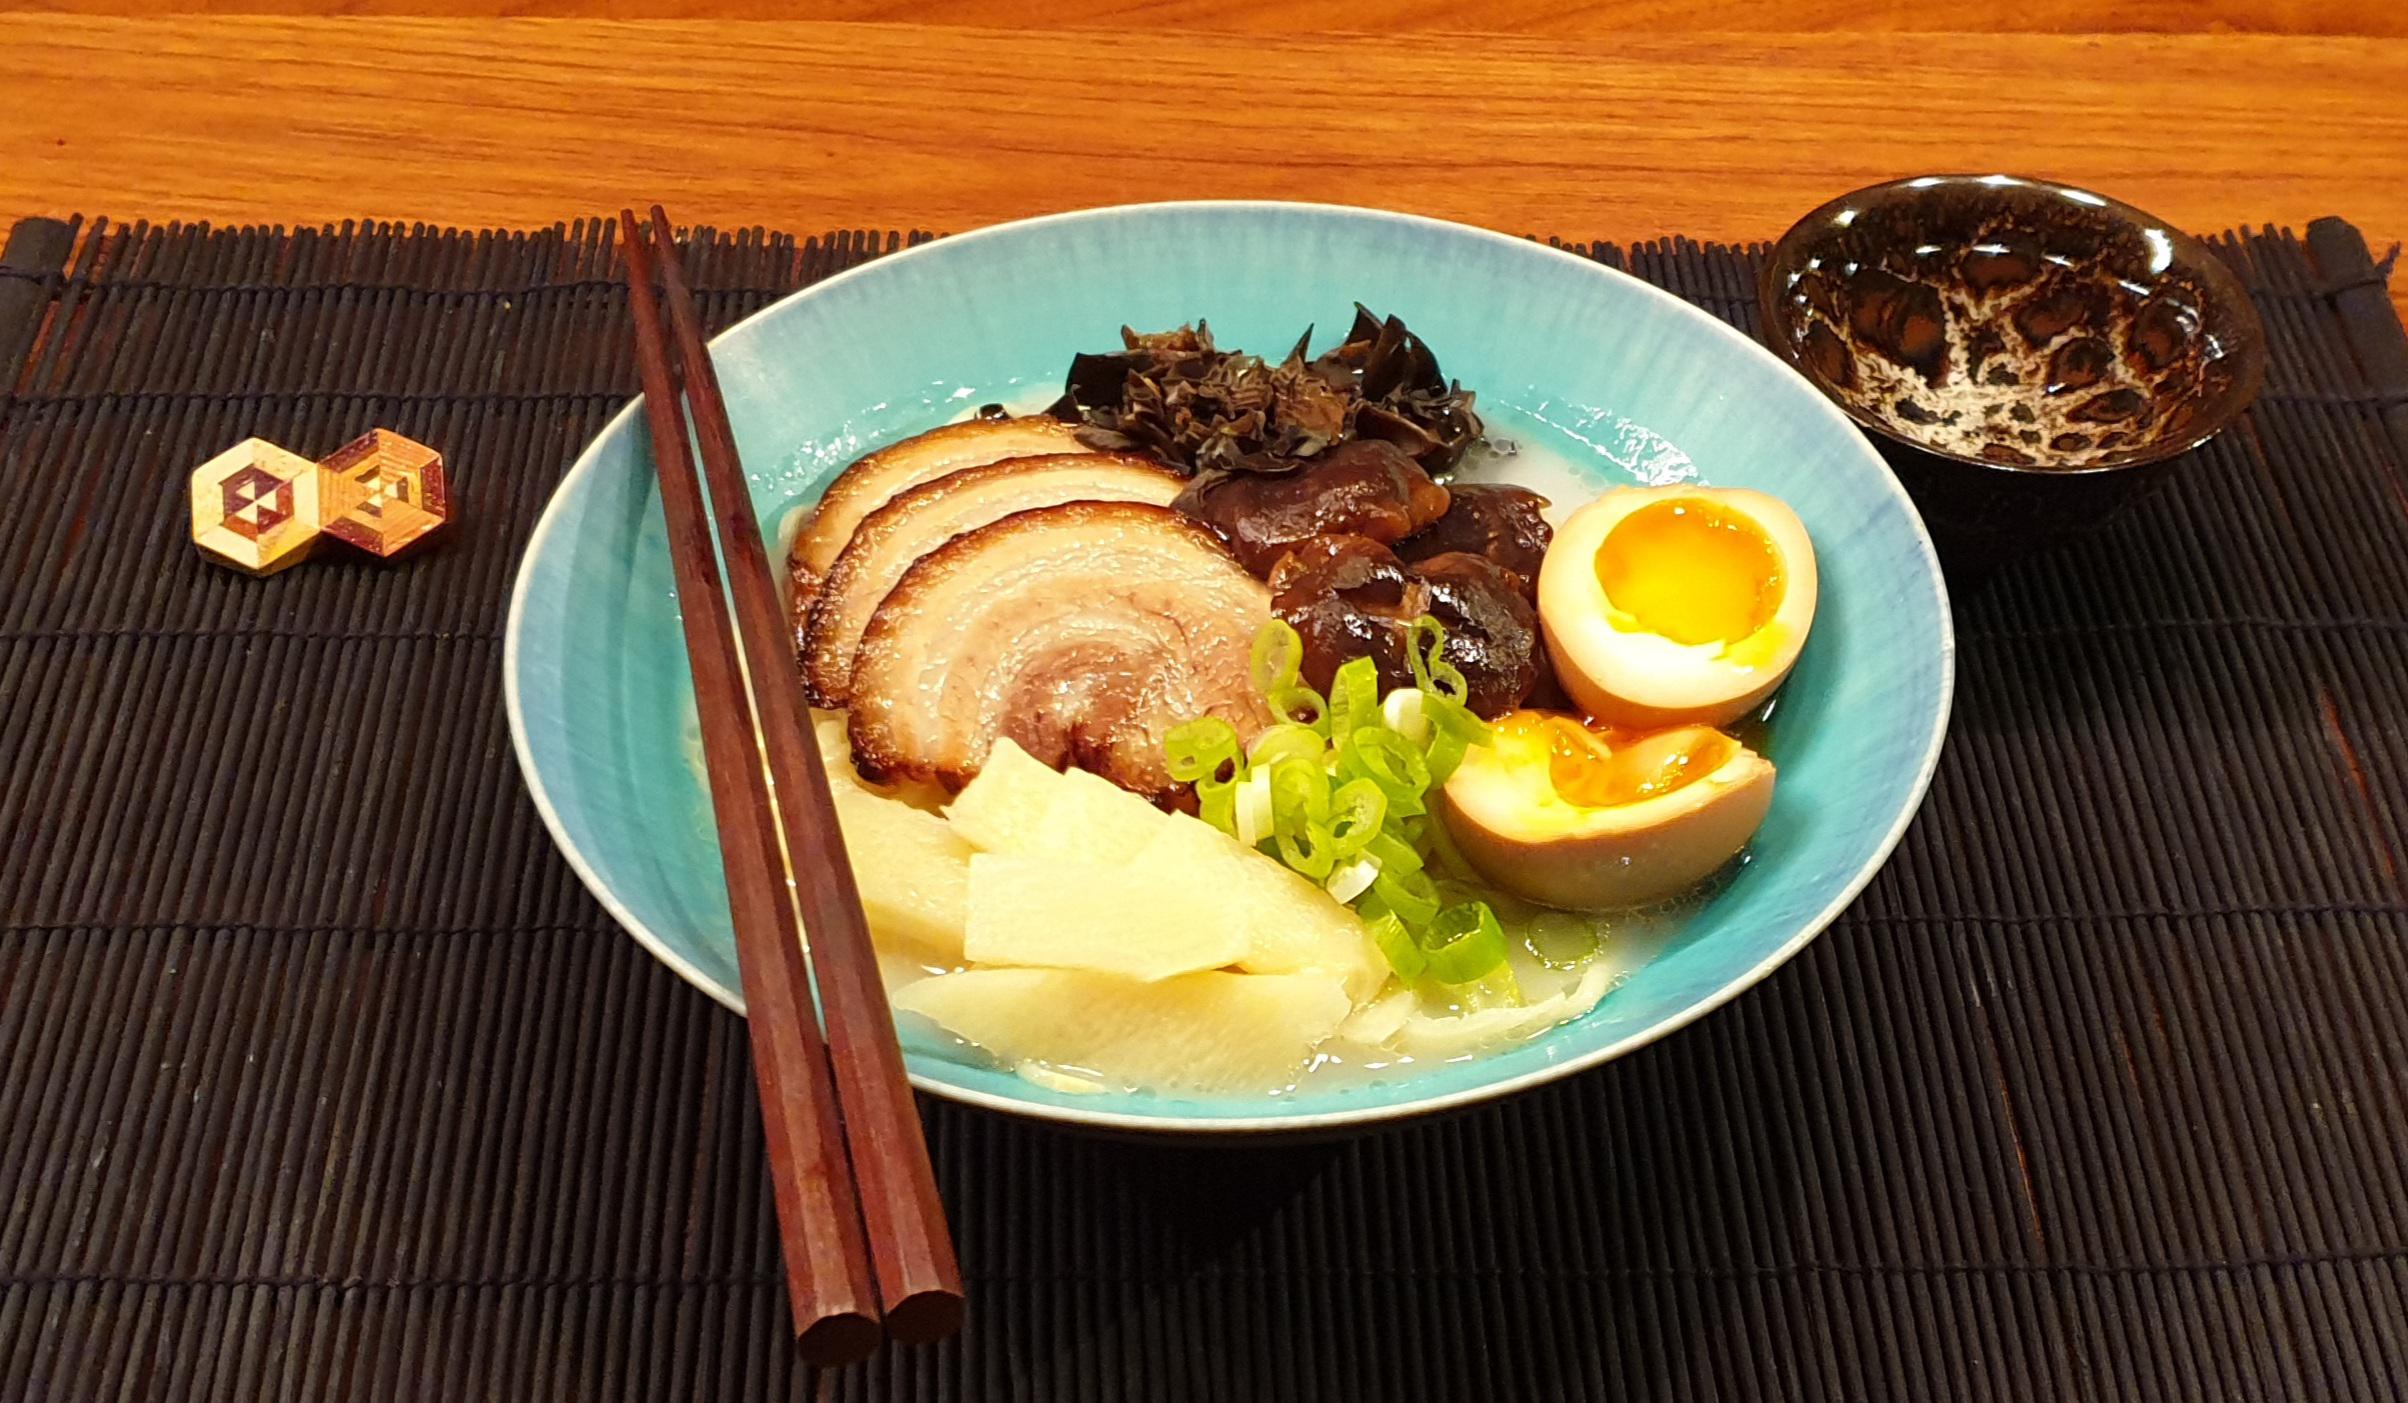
1559 17
811 125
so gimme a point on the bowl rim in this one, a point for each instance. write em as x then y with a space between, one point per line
2224 284
589 458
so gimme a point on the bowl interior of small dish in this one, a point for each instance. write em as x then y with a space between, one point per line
2012 322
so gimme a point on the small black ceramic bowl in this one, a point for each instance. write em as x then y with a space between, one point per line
2029 356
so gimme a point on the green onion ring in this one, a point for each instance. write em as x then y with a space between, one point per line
1287 741
1354 695
1278 657
1456 717
1356 811
1198 749
1423 638
1393 853
1446 752
1396 944
1300 705
1463 943
1448 858
1411 895
1549 931
1308 849
1390 761
1299 793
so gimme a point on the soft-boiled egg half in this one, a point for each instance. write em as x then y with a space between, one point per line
1665 606
1560 813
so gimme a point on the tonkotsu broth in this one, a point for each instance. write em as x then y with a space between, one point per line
1517 451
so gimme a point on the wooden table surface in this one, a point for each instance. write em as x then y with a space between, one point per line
1586 120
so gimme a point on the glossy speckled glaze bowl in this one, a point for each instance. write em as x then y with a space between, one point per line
2032 356
1628 383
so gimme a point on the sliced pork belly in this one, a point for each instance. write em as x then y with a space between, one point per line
1084 632
918 520
861 488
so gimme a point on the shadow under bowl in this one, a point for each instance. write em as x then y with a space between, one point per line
2029 357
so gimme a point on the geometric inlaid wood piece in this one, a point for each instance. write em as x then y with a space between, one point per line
383 493
256 507
259 508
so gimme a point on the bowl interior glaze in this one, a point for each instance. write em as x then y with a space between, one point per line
2014 322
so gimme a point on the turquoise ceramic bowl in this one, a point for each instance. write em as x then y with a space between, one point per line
1627 382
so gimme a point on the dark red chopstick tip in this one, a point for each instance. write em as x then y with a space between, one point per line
924 1317
845 1338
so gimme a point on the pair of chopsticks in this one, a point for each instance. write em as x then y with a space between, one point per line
864 1233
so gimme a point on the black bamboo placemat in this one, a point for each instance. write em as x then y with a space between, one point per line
2100 1092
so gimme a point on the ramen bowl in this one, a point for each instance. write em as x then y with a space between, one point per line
1620 381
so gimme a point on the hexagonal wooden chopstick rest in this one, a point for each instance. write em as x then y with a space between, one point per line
256 507
383 493
259 508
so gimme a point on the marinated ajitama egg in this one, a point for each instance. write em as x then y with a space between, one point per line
1667 606
1557 812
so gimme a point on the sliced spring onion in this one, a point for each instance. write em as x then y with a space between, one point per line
1354 695
1300 817
1447 749
1447 681
1337 790
1306 848
1423 638
1392 853
1411 895
1357 808
1395 942
1352 880
1390 761
1445 855
1200 748
1561 940
1445 698
1299 705
1285 741
1251 818
1299 793
1402 711
1462 943
1456 719
1278 656
1216 802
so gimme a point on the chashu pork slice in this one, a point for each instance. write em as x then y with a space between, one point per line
918 520
861 488
1084 632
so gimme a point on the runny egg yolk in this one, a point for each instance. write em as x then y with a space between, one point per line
1692 570
1594 769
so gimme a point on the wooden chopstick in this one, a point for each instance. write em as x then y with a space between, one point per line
910 1245
828 1279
